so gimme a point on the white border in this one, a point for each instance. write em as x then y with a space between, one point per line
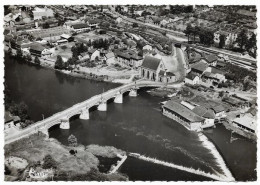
181 2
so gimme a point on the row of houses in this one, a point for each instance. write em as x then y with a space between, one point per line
206 70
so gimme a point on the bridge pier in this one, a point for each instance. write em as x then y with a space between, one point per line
133 92
65 124
84 114
102 106
118 98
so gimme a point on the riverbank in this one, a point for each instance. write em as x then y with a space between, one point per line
121 77
83 164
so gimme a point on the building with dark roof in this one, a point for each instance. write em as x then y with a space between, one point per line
81 27
37 49
183 115
128 58
211 59
192 116
199 67
192 78
151 68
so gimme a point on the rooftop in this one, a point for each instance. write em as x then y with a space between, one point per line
80 25
204 112
191 75
246 121
151 62
211 58
200 66
183 111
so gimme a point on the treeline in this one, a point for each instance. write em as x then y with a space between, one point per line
206 36
17 109
21 57
244 41
238 74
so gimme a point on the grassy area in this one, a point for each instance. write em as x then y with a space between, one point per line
37 146
92 36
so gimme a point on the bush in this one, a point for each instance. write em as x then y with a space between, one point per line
49 162
7 170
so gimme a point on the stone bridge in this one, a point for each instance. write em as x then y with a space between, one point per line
82 109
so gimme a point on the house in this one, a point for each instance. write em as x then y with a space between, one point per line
93 23
221 64
178 111
128 59
39 13
148 47
211 59
110 57
219 111
230 36
246 122
151 68
67 37
11 121
69 24
81 27
207 114
218 74
166 77
192 78
39 50
138 12
156 20
84 56
200 67
94 54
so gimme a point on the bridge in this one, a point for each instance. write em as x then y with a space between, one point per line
82 109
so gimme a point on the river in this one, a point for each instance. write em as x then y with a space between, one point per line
137 126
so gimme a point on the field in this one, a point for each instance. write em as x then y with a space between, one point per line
37 146
64 51
91 36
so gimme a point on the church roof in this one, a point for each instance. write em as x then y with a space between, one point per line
151 63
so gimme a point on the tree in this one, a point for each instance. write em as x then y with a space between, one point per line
72 140
46 25
251 45
9 52
7 170
188 31
242 39
49 162
72 61
59 64
222 39
28 58
19 53
206 37
63 47
135 25
37 60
